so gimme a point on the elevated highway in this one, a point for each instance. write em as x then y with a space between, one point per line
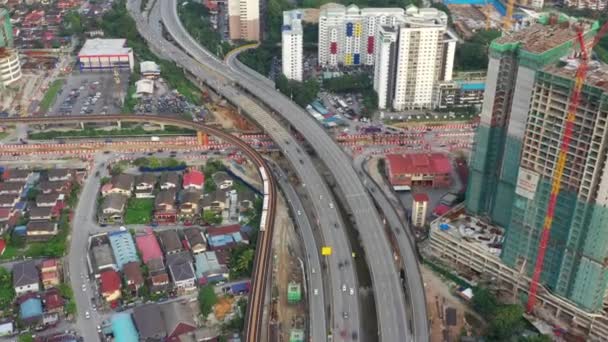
395 324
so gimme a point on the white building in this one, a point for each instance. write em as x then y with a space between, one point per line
149 69
347 35
244 19
10 67
597 5
415 55
291 44
105 54
420 204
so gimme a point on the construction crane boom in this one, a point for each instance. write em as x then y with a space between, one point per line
508 20
556 183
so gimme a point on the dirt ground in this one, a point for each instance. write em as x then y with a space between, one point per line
439 296
223 307
287 268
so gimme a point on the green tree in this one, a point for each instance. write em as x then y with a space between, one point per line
206 299
484 302
26 337
7 293
536 338
473 55
241 261
507 322
32 193
212 217
209 185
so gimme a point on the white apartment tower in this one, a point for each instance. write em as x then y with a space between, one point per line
291 45
347 35
244 19
598 5
412 57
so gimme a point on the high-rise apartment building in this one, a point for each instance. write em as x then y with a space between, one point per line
6 29
244 19
598 5
528 89
347 35
412 57
291 44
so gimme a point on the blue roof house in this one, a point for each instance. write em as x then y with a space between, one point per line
31 309
123 247
123 328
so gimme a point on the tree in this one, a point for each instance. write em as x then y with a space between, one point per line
209 185
26 337
206 299
484 302
241 261
473 55
212 217
507 322
7 292
536 338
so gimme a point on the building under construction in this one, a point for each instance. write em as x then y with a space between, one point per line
525 106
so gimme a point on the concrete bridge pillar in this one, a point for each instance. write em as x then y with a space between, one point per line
82 125
119 124
162 126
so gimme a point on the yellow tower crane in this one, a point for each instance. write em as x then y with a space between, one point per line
508 20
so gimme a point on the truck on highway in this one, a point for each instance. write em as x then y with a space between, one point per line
155 138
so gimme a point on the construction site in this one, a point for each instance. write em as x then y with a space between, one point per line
535 207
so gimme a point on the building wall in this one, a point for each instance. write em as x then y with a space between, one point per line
598 5
106 62
244 19
291 47
384 69
419 213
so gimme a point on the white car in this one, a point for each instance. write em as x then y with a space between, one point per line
299 213
87 315
352 291
331 205
316 292
343 287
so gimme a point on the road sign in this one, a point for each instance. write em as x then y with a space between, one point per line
325 250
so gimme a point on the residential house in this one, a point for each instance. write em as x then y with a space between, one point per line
246 200
159 279
189 207
182 272
193 180
101 256
134 279
149 322
226 236
123 247
11 188
169 180
9 201
165 210
25 278
179 319
48 200
169 240
222 180
109 285
43 230
47 187
196 240
16 175
30 310
148 246
216 201
112 209
6 214
50 273
144 185
55 175
53 302
41 213
209 269
119 184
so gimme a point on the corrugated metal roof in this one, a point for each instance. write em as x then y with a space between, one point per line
124 328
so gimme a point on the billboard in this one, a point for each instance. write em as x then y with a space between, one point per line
527 181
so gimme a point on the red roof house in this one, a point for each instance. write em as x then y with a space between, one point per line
420 197
419 169
224 230
110 285
148 246
193 179
53 302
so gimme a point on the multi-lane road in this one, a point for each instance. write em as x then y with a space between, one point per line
394 323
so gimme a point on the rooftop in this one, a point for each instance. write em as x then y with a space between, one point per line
459 225
208 263
97 46
30 308
132 272
148 246
123 328
109 281
539 38
597 73
25 273
149 321
170 241
419 163
123 247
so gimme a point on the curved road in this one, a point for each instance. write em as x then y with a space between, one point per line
394 324
327 218
263 251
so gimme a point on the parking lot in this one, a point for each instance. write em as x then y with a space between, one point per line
90 93
168 103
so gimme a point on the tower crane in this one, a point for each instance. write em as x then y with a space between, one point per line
508 20
556 182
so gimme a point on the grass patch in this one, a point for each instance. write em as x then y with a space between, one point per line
3 135
51 95
139 211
